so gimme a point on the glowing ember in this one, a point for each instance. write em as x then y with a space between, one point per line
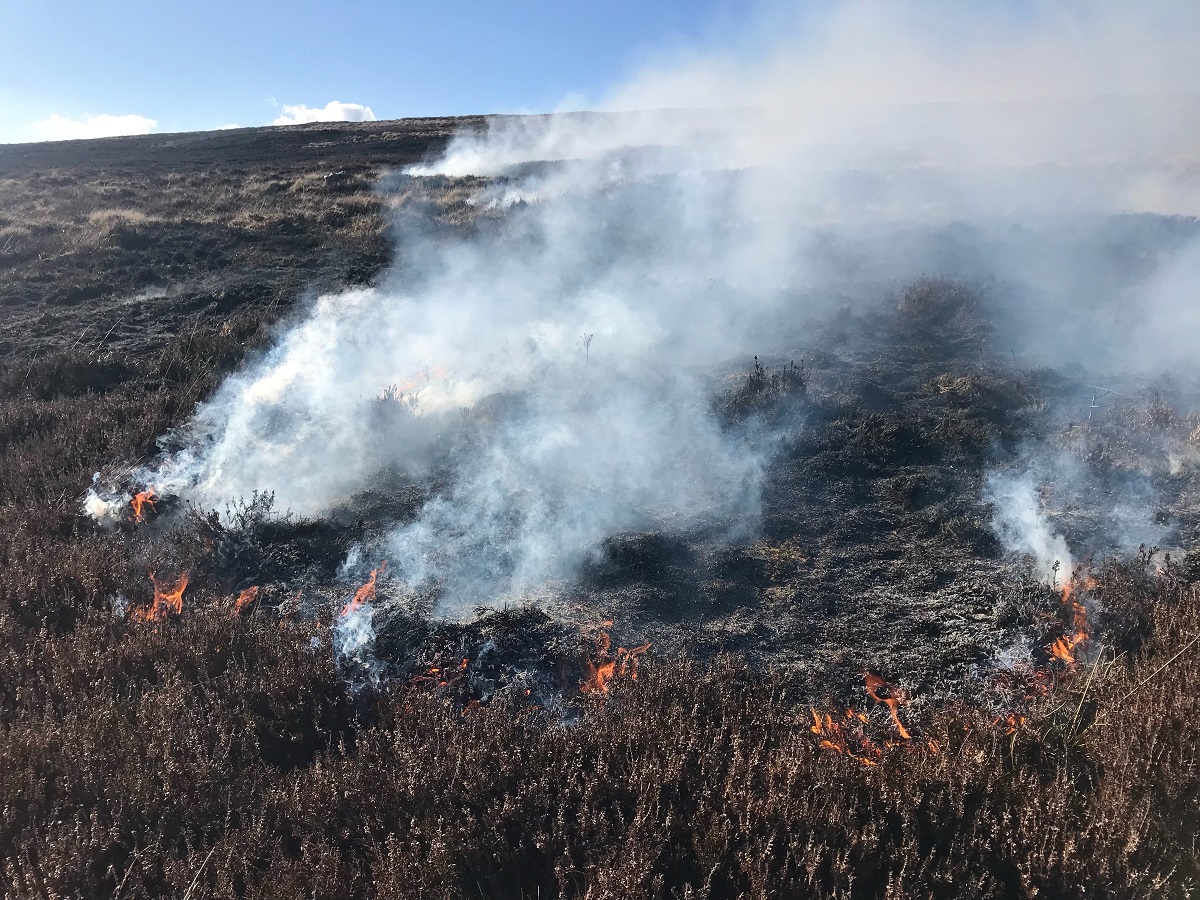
164 601
141 503
882 692
444 675
366 593
836 736
245 598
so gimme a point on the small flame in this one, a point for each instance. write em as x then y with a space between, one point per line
1012 723
473 704
1063 648
422 377
882 692
608 665
1070 586
366 593
245 598
164 601
141 502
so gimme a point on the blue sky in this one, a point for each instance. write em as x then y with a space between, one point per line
201 65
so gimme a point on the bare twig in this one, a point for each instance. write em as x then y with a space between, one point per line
188 893
1160 669
100 343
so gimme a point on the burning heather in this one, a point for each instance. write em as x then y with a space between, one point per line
245 599
142 504
354 630
608 664
165 601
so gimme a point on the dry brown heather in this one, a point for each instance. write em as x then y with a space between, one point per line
214 754
210 755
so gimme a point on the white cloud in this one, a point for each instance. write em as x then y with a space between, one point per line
333 111
61 128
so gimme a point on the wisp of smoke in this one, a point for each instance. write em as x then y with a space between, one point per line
1023 527
1105 513
354 641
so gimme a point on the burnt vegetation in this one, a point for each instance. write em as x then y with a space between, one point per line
222 753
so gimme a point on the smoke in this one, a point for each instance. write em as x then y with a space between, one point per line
1023 527
557 367
604 451
1047 496
912 110
354 642
554 368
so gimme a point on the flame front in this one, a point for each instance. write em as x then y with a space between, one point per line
164 601
836 735
141 502
1063 648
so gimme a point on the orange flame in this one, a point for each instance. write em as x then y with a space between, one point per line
244 599
366 593
425 375
1069 587
444 675
164 601
1063 648
882 692
1012 723
597 676
140 502
608 665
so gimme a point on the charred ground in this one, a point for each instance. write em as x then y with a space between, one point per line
221 755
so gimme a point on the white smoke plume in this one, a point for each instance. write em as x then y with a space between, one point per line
1049 493
913 109
1023 527
354 640
560 360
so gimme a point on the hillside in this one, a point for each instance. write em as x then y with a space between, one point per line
864 692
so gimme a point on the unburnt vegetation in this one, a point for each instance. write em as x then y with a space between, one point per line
220 753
